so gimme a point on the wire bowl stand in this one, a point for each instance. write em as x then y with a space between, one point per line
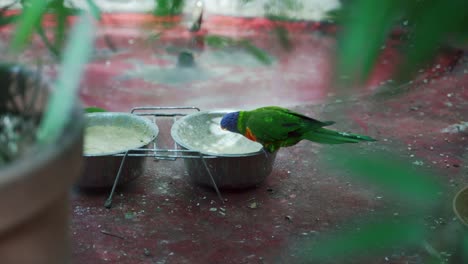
172 154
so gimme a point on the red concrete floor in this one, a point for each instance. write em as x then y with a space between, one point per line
162 218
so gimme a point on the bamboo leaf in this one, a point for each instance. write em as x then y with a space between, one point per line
282 35
27 22
366 24
94 109
7 20
61 18
94 9
428 33
62 100
218 41
49 45
257 52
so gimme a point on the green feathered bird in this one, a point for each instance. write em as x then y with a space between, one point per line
276 127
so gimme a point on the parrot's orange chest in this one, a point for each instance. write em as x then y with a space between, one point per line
250 135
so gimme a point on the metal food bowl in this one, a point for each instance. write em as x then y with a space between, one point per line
234 161
101 169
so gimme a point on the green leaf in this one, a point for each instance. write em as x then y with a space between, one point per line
62 100
398 178
27 22
366 24
50 46
282 35
94 9
257 52
371 238
61 18
94 109
428 33
215 41
7 20
168 7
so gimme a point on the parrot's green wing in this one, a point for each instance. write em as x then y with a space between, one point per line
275 124
310 121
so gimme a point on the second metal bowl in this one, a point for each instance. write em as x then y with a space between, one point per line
236 163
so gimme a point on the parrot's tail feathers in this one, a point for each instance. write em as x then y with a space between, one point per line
327 136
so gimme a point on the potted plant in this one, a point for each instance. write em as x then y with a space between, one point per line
34 178
41 135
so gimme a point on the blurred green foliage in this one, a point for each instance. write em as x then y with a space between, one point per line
279 9
395 177
426 25
168 7
282 36
364 27
370 238
216 41
63 99
412 192
31 18
94 109
75 56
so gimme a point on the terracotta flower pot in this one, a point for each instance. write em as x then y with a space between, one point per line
34 188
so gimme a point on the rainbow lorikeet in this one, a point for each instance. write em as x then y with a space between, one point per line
276 127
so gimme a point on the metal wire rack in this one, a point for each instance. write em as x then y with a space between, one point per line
157 153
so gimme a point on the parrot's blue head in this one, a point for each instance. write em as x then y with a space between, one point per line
229 122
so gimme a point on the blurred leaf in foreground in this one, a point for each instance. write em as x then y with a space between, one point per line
63 98
416 189
367 23
282 10
433 23
168 7
216 41
397 177
61 13
94 9
94 109
27 22
282 35
370 239
260 54
42 34
5 18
